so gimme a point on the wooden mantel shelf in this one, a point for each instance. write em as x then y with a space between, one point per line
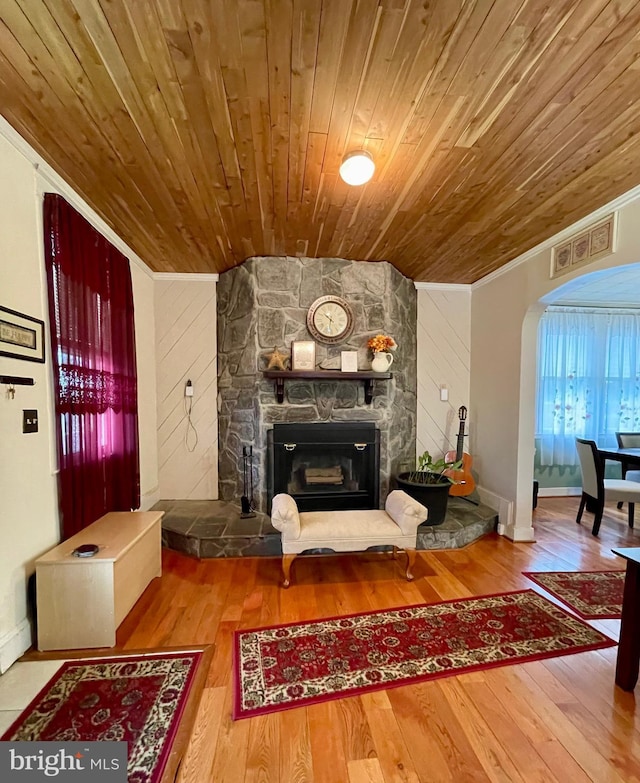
368 376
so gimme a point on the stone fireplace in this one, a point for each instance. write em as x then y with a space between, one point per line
263 305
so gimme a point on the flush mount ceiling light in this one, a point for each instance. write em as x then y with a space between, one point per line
357 167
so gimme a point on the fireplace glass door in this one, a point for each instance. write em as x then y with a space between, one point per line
328 466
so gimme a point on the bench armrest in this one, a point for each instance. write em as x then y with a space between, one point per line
406 512
285 516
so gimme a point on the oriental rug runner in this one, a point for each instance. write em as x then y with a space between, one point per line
303 663
138 699
593 595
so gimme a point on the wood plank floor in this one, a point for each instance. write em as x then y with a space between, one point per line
555 720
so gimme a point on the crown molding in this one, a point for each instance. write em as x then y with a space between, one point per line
443 287
44 170
190 277
561 236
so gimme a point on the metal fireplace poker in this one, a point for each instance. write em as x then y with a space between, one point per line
248 508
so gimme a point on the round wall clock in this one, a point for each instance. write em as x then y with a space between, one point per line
330 319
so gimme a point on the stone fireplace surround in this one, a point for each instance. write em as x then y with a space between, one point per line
263 305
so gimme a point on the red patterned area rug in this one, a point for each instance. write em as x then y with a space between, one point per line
302 663
593 595
139 699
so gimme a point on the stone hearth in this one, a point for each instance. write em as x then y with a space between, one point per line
214 528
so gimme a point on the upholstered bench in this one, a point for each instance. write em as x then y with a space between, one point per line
347 531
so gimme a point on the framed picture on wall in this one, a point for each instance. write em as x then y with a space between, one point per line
303 355
21 336
594 242
561 259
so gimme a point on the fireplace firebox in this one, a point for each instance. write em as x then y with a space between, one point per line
328 466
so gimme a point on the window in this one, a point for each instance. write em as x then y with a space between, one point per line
588 379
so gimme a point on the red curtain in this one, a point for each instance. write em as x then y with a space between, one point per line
93 346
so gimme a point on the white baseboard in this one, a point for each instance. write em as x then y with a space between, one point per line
149 499
558 492
503 506
13 644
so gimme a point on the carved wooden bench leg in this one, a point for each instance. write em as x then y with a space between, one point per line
286 568
411 559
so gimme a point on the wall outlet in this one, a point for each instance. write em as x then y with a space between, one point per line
29 421
444 393
188 389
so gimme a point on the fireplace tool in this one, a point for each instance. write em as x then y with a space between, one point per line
246 501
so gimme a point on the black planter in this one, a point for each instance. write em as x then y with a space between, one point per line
434 497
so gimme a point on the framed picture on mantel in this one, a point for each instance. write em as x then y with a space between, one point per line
349 361
303 355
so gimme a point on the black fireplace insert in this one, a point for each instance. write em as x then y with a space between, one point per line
325 466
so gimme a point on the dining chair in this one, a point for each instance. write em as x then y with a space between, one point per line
629 440
597 488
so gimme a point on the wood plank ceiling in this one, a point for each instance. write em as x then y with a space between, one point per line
207 131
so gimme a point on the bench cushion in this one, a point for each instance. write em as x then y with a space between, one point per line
346 524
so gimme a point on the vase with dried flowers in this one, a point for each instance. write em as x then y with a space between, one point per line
381 346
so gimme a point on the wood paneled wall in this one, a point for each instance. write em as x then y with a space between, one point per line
186 349
443 338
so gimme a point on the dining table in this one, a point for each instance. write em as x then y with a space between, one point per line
628 455
628 657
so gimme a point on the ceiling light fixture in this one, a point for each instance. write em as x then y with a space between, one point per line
357 167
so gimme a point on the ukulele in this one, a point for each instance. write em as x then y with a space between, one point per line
465 483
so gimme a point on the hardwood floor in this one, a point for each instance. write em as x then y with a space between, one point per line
553 720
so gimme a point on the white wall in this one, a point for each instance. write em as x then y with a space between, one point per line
29 523
187 350
443 346
505 310
28 500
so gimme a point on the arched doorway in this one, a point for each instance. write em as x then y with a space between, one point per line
609 288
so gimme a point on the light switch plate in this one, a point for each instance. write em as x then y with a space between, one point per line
29 421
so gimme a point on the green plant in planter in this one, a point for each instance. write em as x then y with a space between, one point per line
429 485
430 471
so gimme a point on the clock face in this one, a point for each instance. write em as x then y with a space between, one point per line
330 319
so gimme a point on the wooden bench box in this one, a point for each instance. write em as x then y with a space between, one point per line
81 601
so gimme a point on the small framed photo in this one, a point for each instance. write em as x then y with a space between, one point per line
561 259
303 355
349 361
601 238
580 249
21 336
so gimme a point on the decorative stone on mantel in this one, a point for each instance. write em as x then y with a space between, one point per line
263 304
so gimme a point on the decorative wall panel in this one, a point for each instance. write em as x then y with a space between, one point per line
185 315
443 362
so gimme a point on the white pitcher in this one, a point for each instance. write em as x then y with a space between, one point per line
381 361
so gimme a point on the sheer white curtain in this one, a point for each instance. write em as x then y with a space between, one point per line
588 379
